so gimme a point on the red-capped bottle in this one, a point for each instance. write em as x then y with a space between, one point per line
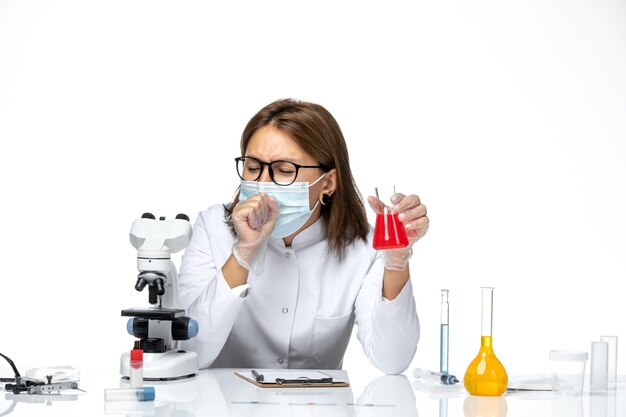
136 367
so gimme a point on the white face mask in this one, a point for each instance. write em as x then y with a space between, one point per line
293 201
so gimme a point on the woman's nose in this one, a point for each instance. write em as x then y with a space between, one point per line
265 175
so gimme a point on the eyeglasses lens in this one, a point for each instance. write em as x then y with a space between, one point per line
284 173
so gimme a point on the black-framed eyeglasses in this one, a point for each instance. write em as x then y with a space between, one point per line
250 168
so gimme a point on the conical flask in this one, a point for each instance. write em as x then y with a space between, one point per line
486 375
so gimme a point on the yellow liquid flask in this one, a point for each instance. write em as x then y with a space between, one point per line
486 375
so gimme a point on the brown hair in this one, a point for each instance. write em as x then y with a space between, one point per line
317 132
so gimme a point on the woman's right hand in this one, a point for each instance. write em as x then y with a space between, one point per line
253 219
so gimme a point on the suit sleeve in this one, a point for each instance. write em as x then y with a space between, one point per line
388 330
206 296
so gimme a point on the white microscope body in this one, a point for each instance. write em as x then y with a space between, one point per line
160 327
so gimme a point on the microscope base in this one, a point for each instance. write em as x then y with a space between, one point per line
170 365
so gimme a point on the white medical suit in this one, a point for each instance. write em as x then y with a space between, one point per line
300 311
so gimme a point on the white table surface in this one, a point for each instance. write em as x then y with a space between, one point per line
219 392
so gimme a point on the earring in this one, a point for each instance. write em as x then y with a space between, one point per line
325 199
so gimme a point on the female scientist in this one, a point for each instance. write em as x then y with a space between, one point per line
277 278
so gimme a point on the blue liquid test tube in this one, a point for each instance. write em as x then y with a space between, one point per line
443 342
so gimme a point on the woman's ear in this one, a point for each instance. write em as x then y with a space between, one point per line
330 185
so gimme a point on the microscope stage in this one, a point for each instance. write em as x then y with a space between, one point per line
155 313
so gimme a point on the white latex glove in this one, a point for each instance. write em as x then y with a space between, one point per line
253 219
412 214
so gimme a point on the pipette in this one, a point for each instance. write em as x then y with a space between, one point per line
446 379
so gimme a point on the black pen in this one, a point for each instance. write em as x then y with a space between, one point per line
304 381
257 376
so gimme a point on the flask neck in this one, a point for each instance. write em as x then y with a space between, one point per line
487 311
485 341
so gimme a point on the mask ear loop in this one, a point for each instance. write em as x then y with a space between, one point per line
317 180
325 199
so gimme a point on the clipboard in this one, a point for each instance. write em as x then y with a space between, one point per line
293 379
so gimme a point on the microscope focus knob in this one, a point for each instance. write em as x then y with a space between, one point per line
148 216
137 327
182 216
184 328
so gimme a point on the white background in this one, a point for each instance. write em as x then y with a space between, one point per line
507 118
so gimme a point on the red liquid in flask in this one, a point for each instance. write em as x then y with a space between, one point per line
389 232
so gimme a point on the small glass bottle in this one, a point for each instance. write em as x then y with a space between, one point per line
136 367
485 375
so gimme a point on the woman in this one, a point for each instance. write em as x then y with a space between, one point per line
278 277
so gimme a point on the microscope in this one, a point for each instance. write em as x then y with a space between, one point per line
161 326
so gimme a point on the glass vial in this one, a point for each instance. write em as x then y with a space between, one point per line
485 375
599 367
612 341
136 368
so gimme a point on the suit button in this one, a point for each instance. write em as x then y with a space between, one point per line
285 310
280 360
287 255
